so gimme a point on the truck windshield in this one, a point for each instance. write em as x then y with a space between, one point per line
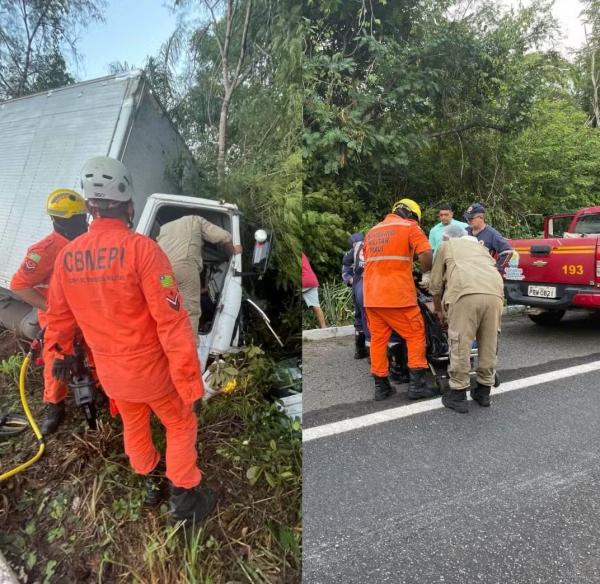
588 224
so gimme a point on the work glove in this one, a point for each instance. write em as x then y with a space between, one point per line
198 406
425 280
62 368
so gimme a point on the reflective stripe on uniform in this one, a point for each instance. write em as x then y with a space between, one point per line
395 221
381 258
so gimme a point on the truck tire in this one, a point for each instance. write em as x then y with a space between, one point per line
550 318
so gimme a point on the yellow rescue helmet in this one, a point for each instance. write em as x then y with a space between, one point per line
65 203
409 205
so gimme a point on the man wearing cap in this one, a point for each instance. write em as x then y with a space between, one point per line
118 286
66 209
487 236
390 296
473 299
446 217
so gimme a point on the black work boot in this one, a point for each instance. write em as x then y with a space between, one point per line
360 349
383 389
481 394
398 369
456 399
399 374
191 505
53 417
154 486
418 388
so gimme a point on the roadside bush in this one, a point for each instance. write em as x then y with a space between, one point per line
337 304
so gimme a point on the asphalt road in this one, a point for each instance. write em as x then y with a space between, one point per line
508 494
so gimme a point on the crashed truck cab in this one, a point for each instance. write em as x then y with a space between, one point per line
221 278
221 274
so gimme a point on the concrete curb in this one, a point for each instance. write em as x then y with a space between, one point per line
328 333
7 576
333 332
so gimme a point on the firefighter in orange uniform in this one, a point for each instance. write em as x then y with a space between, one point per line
118 286
390 296
30 283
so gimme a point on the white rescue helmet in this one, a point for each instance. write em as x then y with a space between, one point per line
106 179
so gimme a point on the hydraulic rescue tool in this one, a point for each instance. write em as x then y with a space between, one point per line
83 386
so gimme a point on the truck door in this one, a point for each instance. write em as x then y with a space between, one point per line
221 283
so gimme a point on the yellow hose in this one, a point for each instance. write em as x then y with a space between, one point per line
31 421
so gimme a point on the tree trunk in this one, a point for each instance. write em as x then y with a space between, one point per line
222 138
595 96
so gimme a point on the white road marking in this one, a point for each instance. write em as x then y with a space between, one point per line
359 422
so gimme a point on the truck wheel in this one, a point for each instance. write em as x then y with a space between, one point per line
549 318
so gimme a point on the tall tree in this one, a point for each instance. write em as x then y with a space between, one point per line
257 161
398 92
34 34
591 58
227 28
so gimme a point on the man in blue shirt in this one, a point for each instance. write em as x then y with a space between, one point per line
494 241
446 217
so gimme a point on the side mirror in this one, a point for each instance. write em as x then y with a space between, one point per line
262 251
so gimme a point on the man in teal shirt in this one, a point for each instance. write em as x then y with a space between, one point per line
437 231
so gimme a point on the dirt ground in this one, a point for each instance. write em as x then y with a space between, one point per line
76 516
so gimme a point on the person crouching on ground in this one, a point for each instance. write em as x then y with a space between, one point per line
67 211
473 299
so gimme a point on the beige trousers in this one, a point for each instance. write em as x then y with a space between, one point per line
473 317
188 280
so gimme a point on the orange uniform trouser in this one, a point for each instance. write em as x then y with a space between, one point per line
408 323
181 427
54 391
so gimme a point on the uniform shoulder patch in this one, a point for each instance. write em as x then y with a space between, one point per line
166 280
34 257
173 302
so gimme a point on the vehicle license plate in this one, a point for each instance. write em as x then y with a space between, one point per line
542 291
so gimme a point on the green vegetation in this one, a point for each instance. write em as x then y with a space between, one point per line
337 304
77 515
444 101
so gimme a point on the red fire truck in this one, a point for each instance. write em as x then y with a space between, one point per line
560 272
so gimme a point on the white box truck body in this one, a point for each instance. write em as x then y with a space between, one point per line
47 137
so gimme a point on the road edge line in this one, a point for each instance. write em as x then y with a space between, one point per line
389 415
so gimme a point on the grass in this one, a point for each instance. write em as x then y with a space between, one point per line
76 516
337 305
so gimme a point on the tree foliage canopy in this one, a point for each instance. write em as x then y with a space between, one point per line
262 163
443 102
34 37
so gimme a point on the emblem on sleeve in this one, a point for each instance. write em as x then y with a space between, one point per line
34 257
173 302
166 280
29 266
